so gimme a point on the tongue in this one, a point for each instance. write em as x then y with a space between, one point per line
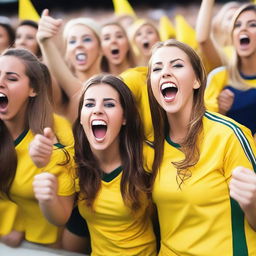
169 94
99 132
3 103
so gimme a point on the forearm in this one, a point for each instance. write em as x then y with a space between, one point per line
68 82
57 211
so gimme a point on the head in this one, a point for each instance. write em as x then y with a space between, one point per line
115 46
24 89
143 35
7 34
26 37
108 121
82 43
176 84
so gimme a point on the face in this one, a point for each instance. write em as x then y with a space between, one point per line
244 34
102 117
83 48
26 38
4 39
14 88
115 44
145 38
173 80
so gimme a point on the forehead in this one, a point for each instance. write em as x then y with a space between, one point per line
168 53
11 64
247 15
111 28
26 29
80 30
98 91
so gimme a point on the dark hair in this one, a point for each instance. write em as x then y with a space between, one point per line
159 117
10 31
134 179
39 115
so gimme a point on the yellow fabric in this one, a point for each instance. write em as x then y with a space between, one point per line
114 230
166 28
122 7
37 228
27 11
136 80
195 220
217 80
184 32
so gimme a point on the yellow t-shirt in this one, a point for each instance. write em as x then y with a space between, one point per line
114 230
199 218
37 228
136 80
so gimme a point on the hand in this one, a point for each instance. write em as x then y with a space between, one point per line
243 187
45 187
48 27
40 149
225 101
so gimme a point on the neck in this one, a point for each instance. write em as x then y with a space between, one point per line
109 159
178 124
248 66
119 68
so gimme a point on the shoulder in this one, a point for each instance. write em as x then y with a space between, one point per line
134 75
221 73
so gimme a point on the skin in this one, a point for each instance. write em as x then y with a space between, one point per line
26 38
15 85
113 38
98 106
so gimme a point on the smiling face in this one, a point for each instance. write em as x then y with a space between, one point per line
26 38
114 43
102 117
172 79
14 89
83 48
145 38
244 34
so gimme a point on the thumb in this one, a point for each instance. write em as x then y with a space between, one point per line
48 133
45 12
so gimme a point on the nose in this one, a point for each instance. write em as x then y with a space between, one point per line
2 84
98 109
166 72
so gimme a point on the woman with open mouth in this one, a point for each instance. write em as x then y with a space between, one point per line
25 110
113 196
231 89
117 53
143 35
82 55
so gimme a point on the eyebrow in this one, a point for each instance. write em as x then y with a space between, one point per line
12 73
172 61
105 99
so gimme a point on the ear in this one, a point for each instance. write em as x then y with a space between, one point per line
124 122
32 93
196 85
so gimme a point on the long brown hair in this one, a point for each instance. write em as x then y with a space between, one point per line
159 117
134 178
39 115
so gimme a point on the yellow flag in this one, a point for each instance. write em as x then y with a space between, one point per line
184 32
122 7
27 11
166 28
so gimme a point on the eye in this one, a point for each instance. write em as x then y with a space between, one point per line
178 65
156 69
237 25
253 24
87 39
73 41
106 38
89 105
12 78
109 104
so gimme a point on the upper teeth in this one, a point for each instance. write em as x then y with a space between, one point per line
2 95
80 56
168 85
98 122
243 36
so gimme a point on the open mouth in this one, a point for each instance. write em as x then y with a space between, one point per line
99 129
81 57
244 40
3 101
169 90
115 51
146 45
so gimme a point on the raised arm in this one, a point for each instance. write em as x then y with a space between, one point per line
48 28
208 50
